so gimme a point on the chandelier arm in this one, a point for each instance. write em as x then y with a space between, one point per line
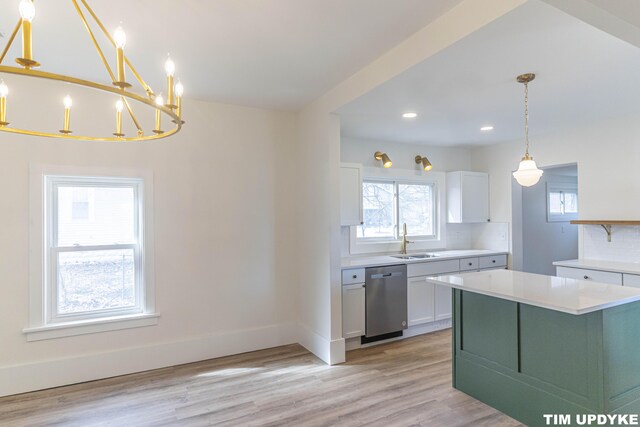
10 41
95 42
133 116
146 87
93 85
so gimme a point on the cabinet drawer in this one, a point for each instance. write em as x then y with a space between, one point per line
497 261
433 268
353 276
632 280
468 264
585 274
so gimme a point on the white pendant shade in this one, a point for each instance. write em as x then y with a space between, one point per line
528 173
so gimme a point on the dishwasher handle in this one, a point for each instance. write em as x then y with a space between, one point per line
386 275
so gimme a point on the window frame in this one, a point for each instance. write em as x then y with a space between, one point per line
396 210
39 327
53 249
560 187
360 245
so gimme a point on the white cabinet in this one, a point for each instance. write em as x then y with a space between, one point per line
350 194
420 301
353 310
467 197
443 302
586 274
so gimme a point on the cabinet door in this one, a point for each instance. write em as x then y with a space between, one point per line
420 301
353 304
350 194
632 280
475 197
443 302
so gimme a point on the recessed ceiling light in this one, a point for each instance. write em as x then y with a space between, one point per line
486 128
410 115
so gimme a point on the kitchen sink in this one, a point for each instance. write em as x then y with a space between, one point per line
416 256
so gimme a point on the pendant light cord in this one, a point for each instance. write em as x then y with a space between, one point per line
526 118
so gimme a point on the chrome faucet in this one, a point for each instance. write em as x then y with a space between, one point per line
404 239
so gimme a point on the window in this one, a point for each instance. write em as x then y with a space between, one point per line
388 205
91 259
93 248
562 202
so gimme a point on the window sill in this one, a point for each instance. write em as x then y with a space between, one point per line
60 330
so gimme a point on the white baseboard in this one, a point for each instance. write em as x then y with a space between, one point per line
338 351
54 373
314 342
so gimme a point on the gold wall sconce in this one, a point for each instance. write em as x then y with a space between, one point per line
386 161
426 164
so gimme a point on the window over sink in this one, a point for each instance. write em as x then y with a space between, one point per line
388 203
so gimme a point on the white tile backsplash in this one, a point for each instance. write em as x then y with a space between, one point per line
490 235
624 245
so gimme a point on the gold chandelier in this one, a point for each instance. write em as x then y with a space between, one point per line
170 107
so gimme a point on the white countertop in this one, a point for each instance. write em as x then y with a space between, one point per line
594 264
370 261
554 293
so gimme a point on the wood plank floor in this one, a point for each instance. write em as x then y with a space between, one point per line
404 383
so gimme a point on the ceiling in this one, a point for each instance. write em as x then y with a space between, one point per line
279 54
583 75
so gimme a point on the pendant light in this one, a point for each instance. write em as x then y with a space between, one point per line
528 173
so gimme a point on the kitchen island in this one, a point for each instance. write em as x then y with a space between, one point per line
530 345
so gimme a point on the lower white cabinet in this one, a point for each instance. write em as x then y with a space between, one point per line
353 310
632 280
444 307
420 301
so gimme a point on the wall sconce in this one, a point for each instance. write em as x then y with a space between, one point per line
426 164
386 161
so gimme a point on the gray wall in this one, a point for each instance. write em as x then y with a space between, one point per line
545 242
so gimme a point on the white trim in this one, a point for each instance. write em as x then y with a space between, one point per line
68 329
87 367
337 351
438 179
314 342
38 313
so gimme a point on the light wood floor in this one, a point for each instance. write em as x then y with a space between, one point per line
404 383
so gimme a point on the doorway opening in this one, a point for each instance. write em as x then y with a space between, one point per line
542 232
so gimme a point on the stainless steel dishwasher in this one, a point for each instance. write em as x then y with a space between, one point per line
386 302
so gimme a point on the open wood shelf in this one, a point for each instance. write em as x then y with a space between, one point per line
605 223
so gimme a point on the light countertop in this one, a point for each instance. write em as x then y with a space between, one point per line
554 293
594 264
370 261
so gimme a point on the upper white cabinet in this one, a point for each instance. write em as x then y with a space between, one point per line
350 194
467 197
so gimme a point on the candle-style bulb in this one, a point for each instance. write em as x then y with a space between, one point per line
179 88
119 106
159 100
4 89
27 10
170 67
119 38
67 102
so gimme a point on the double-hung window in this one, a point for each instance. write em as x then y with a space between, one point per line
93 248
388 205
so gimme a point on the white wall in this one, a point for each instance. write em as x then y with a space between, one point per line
225 265
545 242
607 154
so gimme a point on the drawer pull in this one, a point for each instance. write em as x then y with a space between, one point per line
493 261
470 264
355 276
586 277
